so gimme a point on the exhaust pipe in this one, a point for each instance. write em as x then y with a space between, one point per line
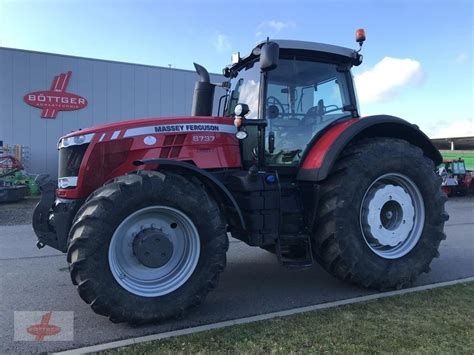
203 98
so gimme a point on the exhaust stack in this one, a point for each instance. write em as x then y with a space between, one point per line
203 97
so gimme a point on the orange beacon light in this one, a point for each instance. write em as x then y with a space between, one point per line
360 36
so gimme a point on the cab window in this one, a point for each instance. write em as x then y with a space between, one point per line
303 97
458 167
245 90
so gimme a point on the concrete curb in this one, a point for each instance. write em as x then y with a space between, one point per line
202 328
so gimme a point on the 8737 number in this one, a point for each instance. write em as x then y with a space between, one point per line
203 138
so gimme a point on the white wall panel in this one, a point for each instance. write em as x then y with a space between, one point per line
114 91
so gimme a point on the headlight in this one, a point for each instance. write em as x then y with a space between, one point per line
241 134
241 110
75 140
68 181
79 139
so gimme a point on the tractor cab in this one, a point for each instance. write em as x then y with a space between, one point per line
284 93
456 167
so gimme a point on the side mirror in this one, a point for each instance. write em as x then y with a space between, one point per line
269 54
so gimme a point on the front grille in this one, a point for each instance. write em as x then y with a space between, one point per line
172 146
70 159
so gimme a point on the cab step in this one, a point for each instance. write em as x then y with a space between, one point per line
294 251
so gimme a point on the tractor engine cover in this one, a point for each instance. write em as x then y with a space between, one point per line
92 156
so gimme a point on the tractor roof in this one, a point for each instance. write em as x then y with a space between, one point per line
332 52
314 46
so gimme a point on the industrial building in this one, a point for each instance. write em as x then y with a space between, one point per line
454 143
43 96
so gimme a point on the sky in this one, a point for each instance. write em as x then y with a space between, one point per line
418 57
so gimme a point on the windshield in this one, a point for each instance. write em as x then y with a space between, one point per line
458 167
306 89
245 90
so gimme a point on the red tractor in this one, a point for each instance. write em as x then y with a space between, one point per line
144 208
456 179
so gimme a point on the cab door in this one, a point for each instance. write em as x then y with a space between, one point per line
302 98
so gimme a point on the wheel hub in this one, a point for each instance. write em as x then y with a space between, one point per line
154 251
390 215
152 248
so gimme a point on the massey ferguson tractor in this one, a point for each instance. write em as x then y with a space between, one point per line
144 208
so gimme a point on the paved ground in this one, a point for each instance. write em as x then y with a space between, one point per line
19 212
252 283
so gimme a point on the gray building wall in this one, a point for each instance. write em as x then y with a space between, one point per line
115 91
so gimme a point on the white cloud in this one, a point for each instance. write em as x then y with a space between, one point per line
459 128
382 81
272 27
462 57
221 42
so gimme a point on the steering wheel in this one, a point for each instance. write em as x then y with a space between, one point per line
313 112
272 100
335 108
319 111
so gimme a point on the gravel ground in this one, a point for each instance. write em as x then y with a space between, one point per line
19 212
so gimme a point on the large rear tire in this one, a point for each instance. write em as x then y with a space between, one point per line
147 247
381 215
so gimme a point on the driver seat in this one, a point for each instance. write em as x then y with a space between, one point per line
320 111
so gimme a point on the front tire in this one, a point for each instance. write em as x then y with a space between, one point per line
381 215
147 247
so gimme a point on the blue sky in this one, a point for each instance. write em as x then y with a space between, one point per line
418 57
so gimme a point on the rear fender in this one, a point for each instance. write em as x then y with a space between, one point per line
216 187
321 154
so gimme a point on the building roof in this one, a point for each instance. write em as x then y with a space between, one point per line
100 60
460 143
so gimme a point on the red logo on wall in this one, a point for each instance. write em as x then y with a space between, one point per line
56 99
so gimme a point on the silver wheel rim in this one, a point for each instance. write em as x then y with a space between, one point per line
392 216
142 280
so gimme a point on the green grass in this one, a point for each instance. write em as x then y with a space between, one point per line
468 156
434 321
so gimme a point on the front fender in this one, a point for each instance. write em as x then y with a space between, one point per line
218 189
321 154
